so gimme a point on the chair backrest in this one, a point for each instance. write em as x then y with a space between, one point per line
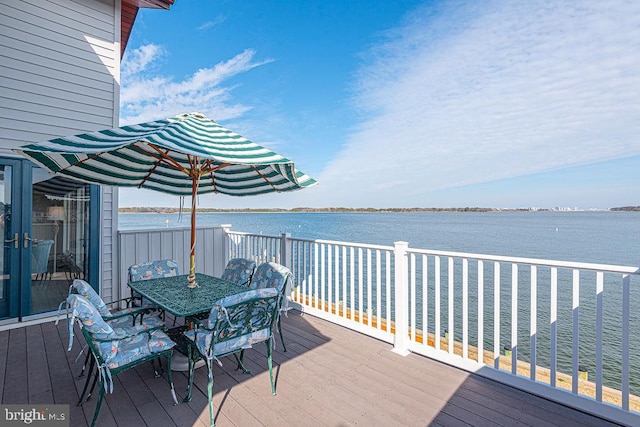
80 308
153 270
271 275
40 251
85 290
244 319
239 270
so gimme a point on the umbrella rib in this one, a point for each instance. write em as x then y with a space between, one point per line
213 182
162 156
155 166
265 178
79 162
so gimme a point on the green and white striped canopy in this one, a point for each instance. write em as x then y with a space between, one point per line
184 155
171 156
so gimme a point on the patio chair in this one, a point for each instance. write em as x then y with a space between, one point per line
124 318
239 270
273 275
235 323
152 270
40 251
115 350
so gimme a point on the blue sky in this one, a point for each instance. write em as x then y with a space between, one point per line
406 103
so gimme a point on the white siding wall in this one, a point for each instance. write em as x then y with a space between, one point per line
60 62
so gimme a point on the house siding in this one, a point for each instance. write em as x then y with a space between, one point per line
60 62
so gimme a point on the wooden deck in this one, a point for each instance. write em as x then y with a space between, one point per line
330 376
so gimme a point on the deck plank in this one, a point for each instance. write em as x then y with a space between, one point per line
4 356
16 384
329 376
62 379
39 379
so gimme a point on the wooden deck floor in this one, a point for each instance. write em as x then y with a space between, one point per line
329 377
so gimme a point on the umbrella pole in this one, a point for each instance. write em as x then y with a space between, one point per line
192 269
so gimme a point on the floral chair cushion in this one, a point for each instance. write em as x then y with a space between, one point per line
135 348
236 322
153 270
85 289
117 346
120 318
270 275
239 270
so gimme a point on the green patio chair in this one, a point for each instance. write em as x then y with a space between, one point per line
239 270
128 318
274 275
234 324
152 270
115 350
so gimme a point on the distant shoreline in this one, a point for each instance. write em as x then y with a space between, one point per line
166 210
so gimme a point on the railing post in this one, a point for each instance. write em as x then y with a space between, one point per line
285 250
401 298
226 247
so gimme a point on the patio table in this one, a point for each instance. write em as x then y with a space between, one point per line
174 296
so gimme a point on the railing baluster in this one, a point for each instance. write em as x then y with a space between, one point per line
344 282
450 314
496 315
369 309
438 331
360 286
553 319
425 301
388 293
480 312
322 277
465 308
336 280
352 270
412 293
575 345
626 297
330 283
378 291
533 325
316 273
514 318
599 318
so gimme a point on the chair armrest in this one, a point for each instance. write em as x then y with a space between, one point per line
128 301
130 311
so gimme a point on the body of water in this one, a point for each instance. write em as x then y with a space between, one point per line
601 237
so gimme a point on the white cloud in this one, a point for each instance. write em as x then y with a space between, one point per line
147 96
470 92
139 59
213 23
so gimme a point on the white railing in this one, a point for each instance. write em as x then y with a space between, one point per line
558 329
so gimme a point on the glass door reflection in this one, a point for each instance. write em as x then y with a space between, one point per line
59 235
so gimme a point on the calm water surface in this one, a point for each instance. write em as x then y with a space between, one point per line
602 237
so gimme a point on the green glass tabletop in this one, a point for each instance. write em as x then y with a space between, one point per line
173 294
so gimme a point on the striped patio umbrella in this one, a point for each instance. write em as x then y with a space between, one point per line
183 155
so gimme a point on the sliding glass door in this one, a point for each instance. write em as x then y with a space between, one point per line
47 236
